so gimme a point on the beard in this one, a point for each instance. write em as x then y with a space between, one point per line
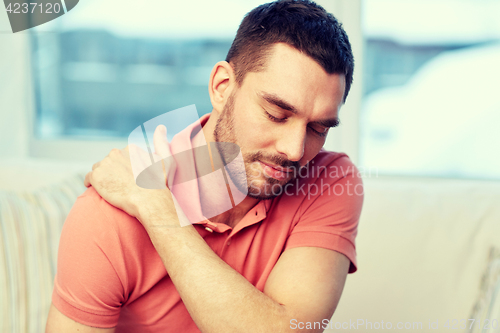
248 179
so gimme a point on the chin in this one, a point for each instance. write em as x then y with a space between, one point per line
264 189
255 194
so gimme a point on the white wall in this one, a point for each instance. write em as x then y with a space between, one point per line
18 170
15 91
345 138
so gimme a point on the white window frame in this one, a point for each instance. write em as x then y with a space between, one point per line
345 138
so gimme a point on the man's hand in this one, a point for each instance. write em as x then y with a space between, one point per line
114 178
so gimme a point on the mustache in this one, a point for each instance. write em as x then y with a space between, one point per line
274 159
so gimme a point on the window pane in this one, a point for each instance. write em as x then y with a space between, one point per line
108 66
431 87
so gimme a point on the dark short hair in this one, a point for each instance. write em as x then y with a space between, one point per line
301 24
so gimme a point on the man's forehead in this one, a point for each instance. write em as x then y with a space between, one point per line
283 60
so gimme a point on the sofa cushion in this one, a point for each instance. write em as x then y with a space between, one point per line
422 248
30 226
486 311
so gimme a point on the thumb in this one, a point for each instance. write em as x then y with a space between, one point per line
163 153
160 141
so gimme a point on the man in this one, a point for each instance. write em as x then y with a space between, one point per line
268 264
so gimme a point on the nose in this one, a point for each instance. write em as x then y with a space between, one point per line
291 143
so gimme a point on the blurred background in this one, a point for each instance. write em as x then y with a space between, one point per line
424 101
421 123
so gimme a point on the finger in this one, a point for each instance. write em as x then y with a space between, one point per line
139 153
114 153
163 152
86 181
161 142
95 165
139 159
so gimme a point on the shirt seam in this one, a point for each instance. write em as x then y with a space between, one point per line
322 232
70 303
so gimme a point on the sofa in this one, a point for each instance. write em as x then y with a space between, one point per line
35 197
428 251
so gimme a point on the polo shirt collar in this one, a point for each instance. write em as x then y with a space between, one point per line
189 191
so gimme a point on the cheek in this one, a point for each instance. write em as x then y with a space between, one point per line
311 149
254 134
253 131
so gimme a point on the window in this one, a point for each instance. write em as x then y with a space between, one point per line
431 105
107 66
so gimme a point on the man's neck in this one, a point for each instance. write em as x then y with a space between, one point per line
210 202
233 216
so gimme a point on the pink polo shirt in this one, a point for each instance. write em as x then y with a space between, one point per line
110 275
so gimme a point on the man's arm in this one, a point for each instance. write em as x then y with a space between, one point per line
57 322
305 284
308 281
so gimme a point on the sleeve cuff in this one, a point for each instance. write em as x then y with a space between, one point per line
84 317
327 241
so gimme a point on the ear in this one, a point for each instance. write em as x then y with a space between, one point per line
221 84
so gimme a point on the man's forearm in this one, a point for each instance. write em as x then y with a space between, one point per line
218 298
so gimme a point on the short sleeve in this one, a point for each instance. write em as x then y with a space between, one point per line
87 287
330 210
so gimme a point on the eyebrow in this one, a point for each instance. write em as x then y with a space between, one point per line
282 104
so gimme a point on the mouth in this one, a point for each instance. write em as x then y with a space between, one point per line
275 171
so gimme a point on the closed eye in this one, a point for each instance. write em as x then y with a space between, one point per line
321 134
273 118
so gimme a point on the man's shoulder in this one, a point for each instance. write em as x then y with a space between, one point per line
91 215
92 278
329 177
327 157
90 203
102 255
329 165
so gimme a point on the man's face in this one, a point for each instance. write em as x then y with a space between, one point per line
279 118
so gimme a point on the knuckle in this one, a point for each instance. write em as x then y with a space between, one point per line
94 174
114 151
